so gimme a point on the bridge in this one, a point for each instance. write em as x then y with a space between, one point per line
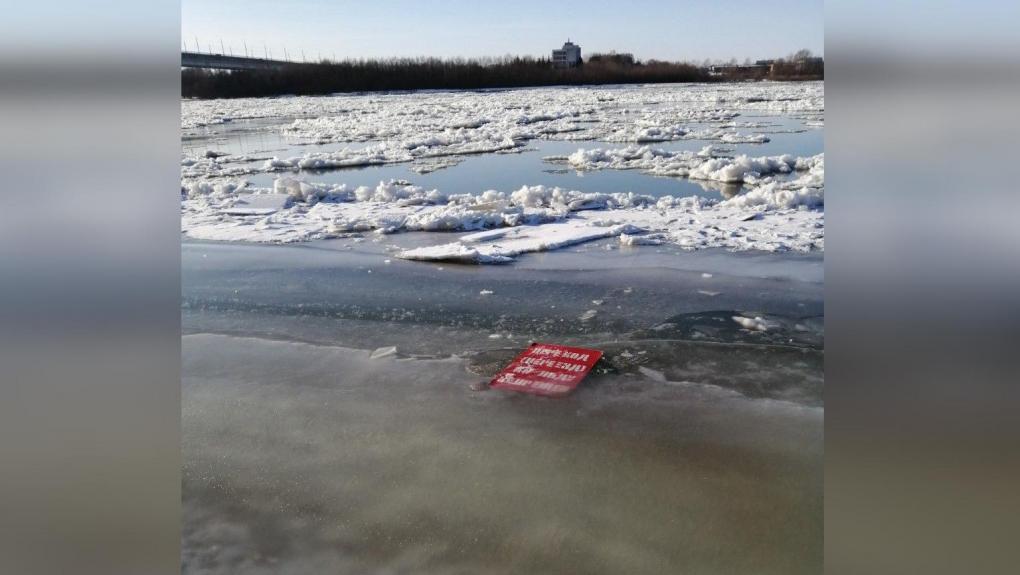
224 62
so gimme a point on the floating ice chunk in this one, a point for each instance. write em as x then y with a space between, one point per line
485 236
737 138
645 240
288 187
193 190
707 164
777 196
735 169
429 165
275 163
660 134
383 352
712 151
516 241
754 323
257 204
455 252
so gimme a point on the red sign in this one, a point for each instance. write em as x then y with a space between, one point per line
547 369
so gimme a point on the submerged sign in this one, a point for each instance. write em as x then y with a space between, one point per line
547 369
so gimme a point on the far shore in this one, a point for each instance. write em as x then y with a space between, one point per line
329 77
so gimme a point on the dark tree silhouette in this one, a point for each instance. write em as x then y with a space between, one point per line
427 73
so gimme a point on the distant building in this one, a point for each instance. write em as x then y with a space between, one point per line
568 56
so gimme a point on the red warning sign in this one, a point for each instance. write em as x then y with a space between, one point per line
547 369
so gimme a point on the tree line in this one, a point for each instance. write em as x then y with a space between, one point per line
329 77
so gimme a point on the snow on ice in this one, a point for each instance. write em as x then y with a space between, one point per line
420 126
779 208
533 218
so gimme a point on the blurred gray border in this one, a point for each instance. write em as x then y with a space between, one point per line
922 287
90 294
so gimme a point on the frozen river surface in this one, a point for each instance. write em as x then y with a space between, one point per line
738 166
695 447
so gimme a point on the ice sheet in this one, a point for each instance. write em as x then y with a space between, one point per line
486 248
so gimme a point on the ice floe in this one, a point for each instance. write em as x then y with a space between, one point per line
769 202
532 218
413 127
503 246
258 204
707 164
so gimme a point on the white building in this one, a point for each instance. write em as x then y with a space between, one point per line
568 56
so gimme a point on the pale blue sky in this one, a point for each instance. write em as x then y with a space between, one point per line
664 29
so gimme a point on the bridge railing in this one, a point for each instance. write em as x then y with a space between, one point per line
226 62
